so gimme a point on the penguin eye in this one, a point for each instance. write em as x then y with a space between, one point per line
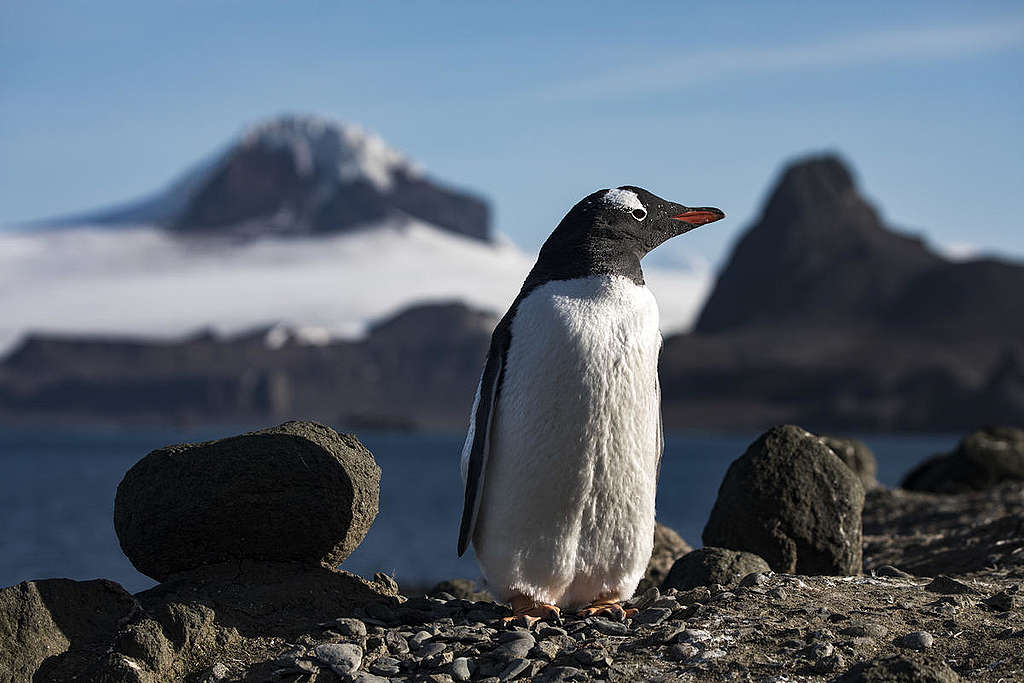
639 214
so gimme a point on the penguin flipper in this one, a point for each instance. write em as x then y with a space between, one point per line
479 446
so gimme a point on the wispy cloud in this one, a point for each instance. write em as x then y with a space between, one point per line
919 44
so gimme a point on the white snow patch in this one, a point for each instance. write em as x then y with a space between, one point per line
143 281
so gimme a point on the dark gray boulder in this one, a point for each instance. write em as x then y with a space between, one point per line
706 566
792 501
857 456
984 459
57 627
296 492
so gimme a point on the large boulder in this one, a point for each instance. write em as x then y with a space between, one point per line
296 492
706 566
792 501
857 456
984 459
57 626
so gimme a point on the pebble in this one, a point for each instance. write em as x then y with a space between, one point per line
558 674
514 668
551 631
607 626
693 635
647 599
389 583
460 669
342 658
436 661
652 616
514 645
385 666
755 579
429 650
831 664
219 671
592 657
666 603
415 642
918 640
363 677
777 594
546 649
890 572
397 645
681 652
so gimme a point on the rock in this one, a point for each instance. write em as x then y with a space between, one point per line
460 669
343 658
668 547
901 669
947 585
296 492
463 589
891 572
706 566
983 459
48 627
857 456
792 501
918 640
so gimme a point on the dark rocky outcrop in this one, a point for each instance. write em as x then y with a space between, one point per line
708 566
983 459
57 627
299 492
819 255
857 456
792 501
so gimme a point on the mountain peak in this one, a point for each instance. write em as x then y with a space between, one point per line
330 149
818 255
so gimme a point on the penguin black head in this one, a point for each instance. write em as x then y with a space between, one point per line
610 230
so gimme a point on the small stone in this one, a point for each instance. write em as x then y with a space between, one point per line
947 585
416 641
342 658
363 677
348 627
514 668
514 645
219 671
607 626
755 579
777 594
890 572
546 649
592 657
693 635
1006 600
681 652
558 674
397 645
436 661
430 649
667 602
918 640
386 666
551 631
652 616
830 664
460 669
645 600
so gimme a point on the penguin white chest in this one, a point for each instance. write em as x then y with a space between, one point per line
568 509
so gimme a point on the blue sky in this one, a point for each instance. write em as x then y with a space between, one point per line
536 104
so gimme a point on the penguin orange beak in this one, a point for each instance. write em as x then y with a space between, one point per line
701 216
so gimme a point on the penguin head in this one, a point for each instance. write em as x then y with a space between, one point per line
639 219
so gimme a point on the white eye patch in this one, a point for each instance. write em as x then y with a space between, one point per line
623 199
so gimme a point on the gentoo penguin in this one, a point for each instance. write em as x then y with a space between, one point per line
561 460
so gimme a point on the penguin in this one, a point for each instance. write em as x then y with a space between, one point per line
563 451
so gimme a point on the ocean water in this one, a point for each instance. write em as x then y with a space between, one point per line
57 497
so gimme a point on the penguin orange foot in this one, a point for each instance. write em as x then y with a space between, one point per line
527 612
603 607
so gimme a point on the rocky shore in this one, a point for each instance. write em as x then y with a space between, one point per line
810 572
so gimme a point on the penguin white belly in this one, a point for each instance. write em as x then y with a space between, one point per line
567 514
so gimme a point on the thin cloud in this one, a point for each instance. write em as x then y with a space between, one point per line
876 47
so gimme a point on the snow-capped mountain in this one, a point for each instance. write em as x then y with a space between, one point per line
302 175
340 230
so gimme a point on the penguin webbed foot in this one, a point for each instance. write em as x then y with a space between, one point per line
611 609
526 612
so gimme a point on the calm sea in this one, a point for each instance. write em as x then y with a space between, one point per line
57 497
